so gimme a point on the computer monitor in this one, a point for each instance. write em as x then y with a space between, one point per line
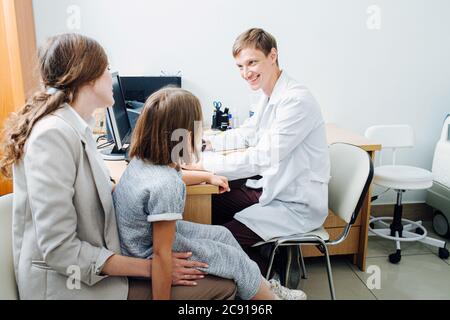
139 88
118 122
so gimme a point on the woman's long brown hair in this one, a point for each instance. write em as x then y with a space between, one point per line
66 63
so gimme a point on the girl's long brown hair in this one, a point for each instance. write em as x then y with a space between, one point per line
66 63
166 111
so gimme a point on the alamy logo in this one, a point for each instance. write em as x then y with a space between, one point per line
74 18
74 278
374 17
374 280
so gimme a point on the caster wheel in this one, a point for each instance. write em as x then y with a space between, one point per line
419 231
443 253
441 225
395 257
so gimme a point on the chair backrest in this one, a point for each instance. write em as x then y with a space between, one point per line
392 137
351 176
8 287
445 134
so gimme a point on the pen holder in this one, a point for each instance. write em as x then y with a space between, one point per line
217 119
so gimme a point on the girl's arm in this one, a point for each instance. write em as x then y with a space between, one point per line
197 177
163 237
191 178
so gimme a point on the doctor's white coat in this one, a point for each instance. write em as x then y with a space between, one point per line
286 144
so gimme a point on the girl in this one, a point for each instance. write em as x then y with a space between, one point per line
150 199
65 239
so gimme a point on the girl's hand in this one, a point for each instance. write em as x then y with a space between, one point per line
183 270
221 182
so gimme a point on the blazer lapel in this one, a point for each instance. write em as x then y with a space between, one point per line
103 186
104 193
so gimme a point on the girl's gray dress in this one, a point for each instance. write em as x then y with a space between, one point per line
149 193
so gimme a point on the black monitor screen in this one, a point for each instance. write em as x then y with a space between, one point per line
118 116
139 88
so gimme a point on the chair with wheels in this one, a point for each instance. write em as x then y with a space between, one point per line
400 178
351 176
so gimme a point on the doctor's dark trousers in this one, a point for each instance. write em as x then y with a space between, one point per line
226 205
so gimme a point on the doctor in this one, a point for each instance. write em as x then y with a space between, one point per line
287 154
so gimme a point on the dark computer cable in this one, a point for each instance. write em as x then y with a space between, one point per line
102 137
378 195
105 145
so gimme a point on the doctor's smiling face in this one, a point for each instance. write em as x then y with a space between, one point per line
260 71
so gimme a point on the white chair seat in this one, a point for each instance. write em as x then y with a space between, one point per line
320 232
403 177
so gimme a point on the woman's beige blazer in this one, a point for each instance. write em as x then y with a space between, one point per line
64 225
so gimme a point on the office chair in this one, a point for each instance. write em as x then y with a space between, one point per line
351 175
400 178
8 287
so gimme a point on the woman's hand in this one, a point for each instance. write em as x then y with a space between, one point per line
183 270
221 182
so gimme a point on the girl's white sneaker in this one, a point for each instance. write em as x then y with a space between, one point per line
285 293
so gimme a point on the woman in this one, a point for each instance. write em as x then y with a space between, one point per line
66 244
150 201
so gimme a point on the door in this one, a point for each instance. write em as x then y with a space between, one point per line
18 78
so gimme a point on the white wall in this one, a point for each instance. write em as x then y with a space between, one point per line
361 77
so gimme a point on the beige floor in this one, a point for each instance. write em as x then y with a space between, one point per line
421 274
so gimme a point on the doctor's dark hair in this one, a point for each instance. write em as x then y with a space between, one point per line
166 113
66 63
255 38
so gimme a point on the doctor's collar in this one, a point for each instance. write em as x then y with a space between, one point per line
281 80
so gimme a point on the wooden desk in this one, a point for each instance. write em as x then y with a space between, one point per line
198 200
198 204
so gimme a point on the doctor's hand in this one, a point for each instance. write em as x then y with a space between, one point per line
221 182
207 145
183 270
